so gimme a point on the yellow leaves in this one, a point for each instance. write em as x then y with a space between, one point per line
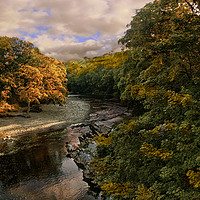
159 130
114 60
78 67
88 65
4 107
142 91
4 43
150 151
117 188
172 75
155 131
102 140
186 99
143 193
128 127
194 177
102 166
180 99
170 126
151 71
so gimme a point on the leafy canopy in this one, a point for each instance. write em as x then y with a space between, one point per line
156 154
27 76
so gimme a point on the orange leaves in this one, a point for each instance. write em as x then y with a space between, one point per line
54 82
30 94
30 83
4 107
5 94
4 44
42 82
28 76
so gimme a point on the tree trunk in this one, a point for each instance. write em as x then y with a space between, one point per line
28 110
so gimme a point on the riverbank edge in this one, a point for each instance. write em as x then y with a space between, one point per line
46 128
84 150
52 118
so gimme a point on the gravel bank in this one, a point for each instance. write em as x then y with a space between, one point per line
52 118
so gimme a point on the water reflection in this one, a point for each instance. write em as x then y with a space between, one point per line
35 166
40 172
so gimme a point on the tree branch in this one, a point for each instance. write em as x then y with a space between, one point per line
190 5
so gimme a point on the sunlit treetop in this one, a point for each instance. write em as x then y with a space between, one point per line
27 76
111 60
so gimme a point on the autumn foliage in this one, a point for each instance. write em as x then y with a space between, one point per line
96 76
156 154
28 77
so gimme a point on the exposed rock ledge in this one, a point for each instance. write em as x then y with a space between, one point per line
82 148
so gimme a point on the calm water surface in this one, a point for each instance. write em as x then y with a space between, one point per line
41 171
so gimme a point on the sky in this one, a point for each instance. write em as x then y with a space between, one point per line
69 29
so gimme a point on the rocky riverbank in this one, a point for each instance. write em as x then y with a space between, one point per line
81 148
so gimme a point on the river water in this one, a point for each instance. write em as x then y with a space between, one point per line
40 170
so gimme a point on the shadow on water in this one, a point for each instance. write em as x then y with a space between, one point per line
41 172
36 167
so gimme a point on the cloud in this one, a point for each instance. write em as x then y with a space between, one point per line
69 47
68 29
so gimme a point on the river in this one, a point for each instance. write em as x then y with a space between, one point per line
36 167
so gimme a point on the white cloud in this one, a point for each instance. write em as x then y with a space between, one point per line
68 18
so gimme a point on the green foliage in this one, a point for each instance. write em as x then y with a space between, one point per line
100 82
109 60
165 158
157 155
97 76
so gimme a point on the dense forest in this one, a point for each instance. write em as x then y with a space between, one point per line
155 154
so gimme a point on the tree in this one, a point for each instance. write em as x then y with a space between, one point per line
28 76
96 76
156 154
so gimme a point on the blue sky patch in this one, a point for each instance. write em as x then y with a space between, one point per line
39 31
95 37
48 11
32 35
35 10
43 28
